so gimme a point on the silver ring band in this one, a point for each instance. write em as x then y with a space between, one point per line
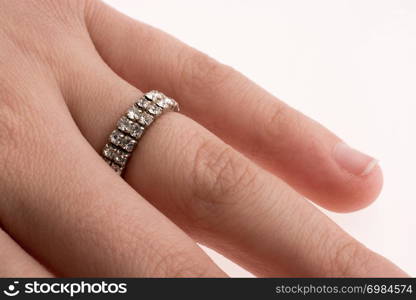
132 125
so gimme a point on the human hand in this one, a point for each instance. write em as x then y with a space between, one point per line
70 69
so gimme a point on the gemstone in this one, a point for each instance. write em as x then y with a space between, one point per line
116 155
117 137
154 95
133 113
143 103
124 124
165 102
136 130
154 109
145 119
128 144
120 157
169 101
122 140
128 126
108 151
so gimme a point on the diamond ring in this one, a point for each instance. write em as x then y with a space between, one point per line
132 125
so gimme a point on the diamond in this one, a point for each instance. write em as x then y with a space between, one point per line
127 143
149 95
173 104
145 119
133 113
165 102
124 124
109 151
154 109
136 130
117 137
128 126
154 95
169 101
143 103
120 157
116 155
123 141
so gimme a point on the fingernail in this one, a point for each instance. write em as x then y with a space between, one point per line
353 161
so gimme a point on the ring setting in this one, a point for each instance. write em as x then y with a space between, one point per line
132 125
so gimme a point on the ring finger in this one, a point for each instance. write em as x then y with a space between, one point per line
221 198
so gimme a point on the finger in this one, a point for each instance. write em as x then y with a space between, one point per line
221 198
225 201
70 210
302 152
15 262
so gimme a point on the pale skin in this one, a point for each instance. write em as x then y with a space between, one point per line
230 171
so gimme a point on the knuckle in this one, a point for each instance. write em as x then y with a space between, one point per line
219 175
63 11
175 263
350 258
94 11
276 118
20 125
11 119
45 16
54 25
201 73
10 142
276 113
8 137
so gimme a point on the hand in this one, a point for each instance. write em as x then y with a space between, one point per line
70 69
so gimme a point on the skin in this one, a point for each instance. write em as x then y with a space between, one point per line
69 70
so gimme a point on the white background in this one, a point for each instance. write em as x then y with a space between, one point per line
351 65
